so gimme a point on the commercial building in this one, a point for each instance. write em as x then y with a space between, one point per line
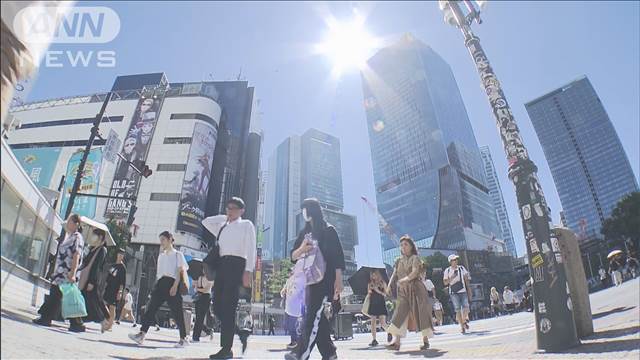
176 129
426 164
493 183
303 167
589 166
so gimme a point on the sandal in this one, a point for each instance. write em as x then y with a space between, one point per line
425 346
394 347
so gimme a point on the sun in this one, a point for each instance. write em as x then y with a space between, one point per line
347 44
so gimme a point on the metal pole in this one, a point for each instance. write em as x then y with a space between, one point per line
264 301
555 327
85 155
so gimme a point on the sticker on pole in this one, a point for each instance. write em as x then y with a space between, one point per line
545 325
537 261
112 146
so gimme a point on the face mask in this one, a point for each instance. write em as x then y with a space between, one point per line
305 216
95 239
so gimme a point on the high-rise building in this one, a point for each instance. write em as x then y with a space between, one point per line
426 163
303 167
498 200
588 164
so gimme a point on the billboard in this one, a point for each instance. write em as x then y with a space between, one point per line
83 205
38 163
197 176
126 181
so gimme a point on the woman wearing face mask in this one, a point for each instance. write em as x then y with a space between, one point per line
412 303
322 236
68 259
171 272
90 271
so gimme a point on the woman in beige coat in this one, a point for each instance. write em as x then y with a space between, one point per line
413 308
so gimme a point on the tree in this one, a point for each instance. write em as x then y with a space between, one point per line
120 235
276 282
624 223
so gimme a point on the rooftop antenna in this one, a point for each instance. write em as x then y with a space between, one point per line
240 73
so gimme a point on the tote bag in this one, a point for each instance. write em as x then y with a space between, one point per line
73 305
313 264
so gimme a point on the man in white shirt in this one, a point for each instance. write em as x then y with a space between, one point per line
508 299
237 240
457 278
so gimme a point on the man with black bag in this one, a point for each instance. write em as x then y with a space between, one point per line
457 278
234 251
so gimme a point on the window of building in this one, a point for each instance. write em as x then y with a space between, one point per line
164 197
177 140
10 208
106 119
171 167
21 244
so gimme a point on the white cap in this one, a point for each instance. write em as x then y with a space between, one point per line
453 257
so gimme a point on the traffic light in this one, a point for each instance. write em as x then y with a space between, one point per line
146 171
132 215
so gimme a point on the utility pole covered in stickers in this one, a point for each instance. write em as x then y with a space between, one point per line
554 318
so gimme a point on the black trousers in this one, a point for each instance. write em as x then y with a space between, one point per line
316 327
159 296
52 306
203 304
226 291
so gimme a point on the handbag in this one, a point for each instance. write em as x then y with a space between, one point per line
73 305
365 305
313 264
211 261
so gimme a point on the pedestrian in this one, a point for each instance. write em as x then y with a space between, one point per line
526 303
437 310
171 274
603 277
237 240
632 263
90 273
509 299
431 291
116 279
377 310
457 278
127 308
318 248
496 303
614 270
413 306
245 329
293 296
68 259
143 309
272 325
202 304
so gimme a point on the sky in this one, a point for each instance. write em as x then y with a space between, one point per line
534 47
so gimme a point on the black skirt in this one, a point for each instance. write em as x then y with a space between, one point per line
96 308
377 306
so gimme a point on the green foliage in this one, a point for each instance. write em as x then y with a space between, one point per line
437 260
624 223
120 235
276 281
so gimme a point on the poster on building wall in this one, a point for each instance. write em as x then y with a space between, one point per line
135 148
39 164
83 205
197 176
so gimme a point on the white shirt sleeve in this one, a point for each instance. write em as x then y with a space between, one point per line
182 262
214 223
250 246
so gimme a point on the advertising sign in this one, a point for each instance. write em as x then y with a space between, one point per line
126 181
195 185
83 205
112 146
39 163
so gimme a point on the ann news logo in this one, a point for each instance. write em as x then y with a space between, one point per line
77 25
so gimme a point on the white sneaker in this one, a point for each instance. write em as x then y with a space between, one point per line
182 343
138 338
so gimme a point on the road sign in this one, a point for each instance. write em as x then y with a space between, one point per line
112 147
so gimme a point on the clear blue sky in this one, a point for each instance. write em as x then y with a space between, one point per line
534 47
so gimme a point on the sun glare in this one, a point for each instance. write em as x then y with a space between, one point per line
347 45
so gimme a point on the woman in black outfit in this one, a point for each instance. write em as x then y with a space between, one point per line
91 270
377 307
317 329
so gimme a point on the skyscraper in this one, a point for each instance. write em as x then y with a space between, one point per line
303 167
426 163
498 200
589 166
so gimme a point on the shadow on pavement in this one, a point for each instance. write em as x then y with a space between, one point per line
153 358
613 333
605 347
278 350
124 344
478 332
431 353
612 311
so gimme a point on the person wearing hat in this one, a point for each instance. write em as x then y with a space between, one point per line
116 278
457 278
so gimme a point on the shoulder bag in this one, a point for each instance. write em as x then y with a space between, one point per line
455 288
313 263
211 261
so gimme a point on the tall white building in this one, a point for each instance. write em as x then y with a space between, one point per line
498 200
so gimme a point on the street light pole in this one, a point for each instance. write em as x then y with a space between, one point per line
555 327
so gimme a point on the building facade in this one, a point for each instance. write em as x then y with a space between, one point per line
426 164
303 167
589 166
493 183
